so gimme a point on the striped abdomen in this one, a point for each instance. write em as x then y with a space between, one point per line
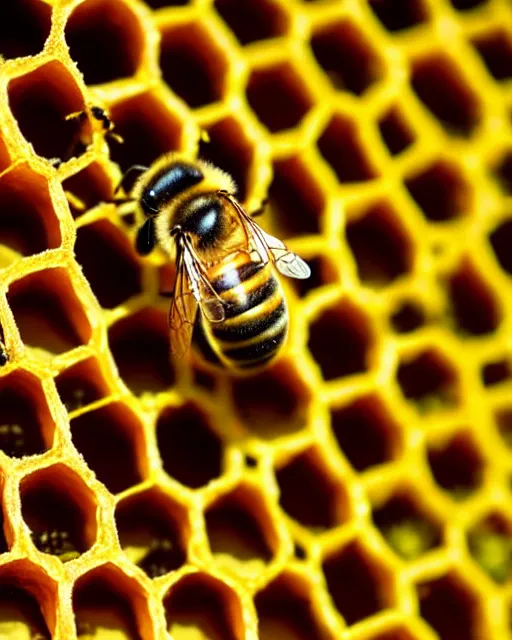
256 317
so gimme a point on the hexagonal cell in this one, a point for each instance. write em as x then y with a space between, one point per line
199 605
495 372
81 384
25 25
60 511
90 186
380 245
347 56
230 149
111 441
27 597
474 305
407 316
28 223
108 602
117 37
366 432
48 312
148 129
109 263
490 544
456 464
359 583
181 59
278 96
428 380
440 191
295 198
191 451
240 530
443 89
500 240
405 523
395 131
140 346
503 419
257 20
153 531
340 144
465 5
399 15
26 425
285 610
40 101
310 494
340 340
495 49
272 403
450 607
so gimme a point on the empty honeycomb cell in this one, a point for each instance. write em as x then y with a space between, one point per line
285 610
153 530
340 145
159 4
380 246
47 311
25 25
81 384
28 223
456 465
191 451
181 59
495 48
140 346
279 96
358 583
347 56
503 172
408 316
27 602
500 240
399 15
274 402
396 132
227 147
240 530
201 606
257 20
474 306
440 191
323 272
366 432
450 608
90 186
495 372
490 544
110 439
105 40
309 493
503 419
465 5
60 511
106 602
295 198
441 86
340 340
148 128
26 425
40 101
109 263
428 380
406 525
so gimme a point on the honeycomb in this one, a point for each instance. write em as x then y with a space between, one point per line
359 488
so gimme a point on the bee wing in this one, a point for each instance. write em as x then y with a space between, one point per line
209 302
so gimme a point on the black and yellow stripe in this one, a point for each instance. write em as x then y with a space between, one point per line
256 316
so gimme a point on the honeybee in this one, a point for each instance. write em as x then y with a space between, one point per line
225 263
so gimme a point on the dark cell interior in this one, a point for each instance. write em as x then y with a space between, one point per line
489 542
160 4
254 20
495 372
191 452
503 418
395 132
90 186
503 172
397 15
81 384
24 27
407 317
323 272
500 240
465 5
496 52
19 607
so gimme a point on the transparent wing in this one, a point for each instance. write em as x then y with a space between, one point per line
269 247
209 302
183 310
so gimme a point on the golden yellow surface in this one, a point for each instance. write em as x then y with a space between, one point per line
360 488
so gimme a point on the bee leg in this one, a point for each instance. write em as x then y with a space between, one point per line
135 168
146 240
260 209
